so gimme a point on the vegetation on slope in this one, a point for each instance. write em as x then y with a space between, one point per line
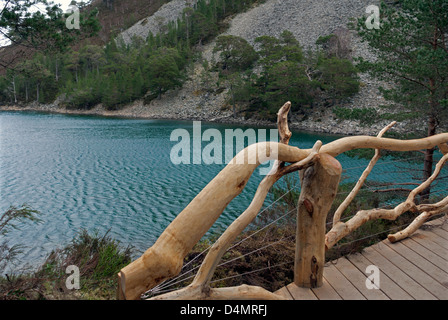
97 257
118 74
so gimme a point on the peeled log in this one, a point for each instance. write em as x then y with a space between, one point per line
319 188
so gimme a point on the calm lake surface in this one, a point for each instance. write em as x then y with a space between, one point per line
115 174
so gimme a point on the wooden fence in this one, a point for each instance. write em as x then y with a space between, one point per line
320 175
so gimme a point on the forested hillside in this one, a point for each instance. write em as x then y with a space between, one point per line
117 73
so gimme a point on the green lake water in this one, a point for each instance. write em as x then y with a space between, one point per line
116 174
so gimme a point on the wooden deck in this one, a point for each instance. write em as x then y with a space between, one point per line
413 269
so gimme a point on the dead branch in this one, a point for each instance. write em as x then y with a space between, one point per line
165 258
341 229
428 210
342 145
361 180
243 292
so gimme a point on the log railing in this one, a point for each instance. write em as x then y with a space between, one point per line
320 176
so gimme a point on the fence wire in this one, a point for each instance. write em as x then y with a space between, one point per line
371 185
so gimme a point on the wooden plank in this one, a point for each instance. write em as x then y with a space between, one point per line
427 242
326 292
424 252
400 278
416 267
439 274
387 285
418 275
444 226
439 231
358 279
339 282
436 238
440 222
299 293
284 293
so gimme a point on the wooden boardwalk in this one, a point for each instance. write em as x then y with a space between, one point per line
415 268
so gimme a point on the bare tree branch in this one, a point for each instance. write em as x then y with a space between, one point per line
341 229
361 180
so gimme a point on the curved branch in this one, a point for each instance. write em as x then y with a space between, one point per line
282 123
342 145
243 292
218 249
417 223
165 258
341 229
200 287
216 252
361 180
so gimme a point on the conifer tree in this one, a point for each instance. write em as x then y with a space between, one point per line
163 70
411 47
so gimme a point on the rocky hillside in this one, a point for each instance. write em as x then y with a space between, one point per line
154 23
307 20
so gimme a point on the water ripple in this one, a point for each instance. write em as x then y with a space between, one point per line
109 174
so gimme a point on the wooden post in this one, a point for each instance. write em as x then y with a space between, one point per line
319 186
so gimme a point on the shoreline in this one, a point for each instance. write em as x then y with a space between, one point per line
144 112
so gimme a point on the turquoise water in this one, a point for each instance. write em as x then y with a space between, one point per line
106 173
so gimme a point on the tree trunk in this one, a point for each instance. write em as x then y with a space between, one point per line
188 35
233 101
432 123
56 71
319 186
427 167
14 89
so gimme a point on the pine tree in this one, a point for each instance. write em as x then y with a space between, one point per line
235 54
138 84
412 53
338 77
44 31
163 70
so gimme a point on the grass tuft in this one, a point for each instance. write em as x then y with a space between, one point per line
99 259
